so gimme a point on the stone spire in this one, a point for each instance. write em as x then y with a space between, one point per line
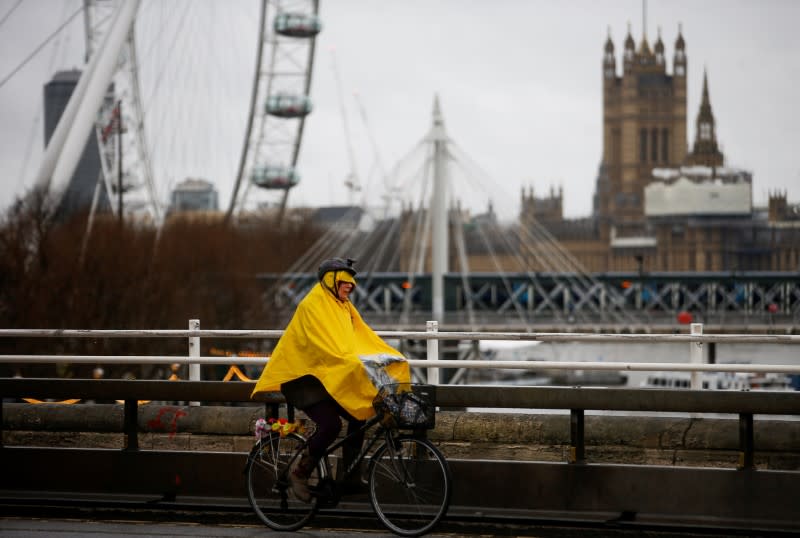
705 151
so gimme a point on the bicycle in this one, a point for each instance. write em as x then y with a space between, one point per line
408 479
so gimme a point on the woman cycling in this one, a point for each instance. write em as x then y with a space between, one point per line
329 363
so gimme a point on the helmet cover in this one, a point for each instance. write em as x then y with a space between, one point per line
336 264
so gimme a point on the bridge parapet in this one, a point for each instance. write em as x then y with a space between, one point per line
512 436
752 495
162 417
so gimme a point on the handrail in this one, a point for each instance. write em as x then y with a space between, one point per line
415 335
420 363
432 363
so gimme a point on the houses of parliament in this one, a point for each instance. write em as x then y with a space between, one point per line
662 203
658 204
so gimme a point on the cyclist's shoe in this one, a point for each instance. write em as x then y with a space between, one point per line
327 494
298 478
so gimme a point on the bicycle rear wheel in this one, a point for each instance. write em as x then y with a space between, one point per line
409 485
268 488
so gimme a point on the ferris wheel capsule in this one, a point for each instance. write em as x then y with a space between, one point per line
275 177
286 105
279 103
297 24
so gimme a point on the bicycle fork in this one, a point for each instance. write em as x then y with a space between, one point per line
398 462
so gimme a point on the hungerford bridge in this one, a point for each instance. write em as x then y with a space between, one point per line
606 302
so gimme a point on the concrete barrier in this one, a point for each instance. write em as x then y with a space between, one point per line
639 440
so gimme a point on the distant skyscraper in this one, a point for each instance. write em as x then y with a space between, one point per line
80 190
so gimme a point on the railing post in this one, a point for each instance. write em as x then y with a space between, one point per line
131 424
577 450
696 354
433 352
746 443
194 352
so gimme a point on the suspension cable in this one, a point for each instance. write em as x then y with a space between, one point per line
10 11
39 48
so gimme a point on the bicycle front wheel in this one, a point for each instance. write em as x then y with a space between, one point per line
268 489
409 485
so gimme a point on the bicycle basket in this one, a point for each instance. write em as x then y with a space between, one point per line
407 406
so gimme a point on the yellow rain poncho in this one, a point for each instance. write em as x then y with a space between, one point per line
328 339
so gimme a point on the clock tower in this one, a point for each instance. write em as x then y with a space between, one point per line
705 151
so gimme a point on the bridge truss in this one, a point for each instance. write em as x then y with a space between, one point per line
524 299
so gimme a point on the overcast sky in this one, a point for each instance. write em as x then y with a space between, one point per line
519 84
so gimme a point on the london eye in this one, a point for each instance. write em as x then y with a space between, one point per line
171 105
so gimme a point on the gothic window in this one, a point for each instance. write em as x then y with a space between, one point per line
664 145
643 145
654 145
705 131
616 146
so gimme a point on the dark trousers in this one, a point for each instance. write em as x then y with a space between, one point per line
327 415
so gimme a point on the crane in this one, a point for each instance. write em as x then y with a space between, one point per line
351 181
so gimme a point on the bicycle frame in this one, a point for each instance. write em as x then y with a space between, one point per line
381 432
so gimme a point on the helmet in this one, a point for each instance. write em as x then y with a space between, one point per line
336 264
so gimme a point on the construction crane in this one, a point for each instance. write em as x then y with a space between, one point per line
375 153
351 181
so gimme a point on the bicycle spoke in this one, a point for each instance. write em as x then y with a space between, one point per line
410 486
268 488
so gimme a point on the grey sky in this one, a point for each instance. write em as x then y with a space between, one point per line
519 84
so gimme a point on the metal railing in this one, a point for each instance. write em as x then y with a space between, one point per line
432 362
743 497
576 400
24 466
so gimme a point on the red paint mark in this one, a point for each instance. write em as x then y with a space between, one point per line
172 426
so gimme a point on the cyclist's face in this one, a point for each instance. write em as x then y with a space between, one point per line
344 289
